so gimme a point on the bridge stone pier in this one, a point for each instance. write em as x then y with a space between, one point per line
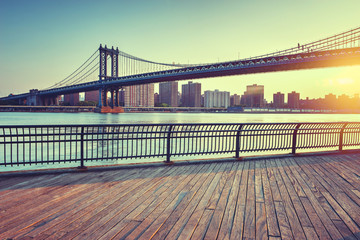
109 105
33 99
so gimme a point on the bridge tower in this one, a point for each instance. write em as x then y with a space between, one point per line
113 105
114 55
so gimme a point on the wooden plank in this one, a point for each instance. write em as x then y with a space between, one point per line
344 200
350 225
315 197
285 229
238 225
260 210
311 233
72 224
118 213
273 185
261 221
236 200
188 211
300 211
249 221
294 222
157 212
44 206
272 222
191 224
316 221
202 225
92 199
314 190
217 218
85 227
338 183
121 228
161 226
126 226
228 219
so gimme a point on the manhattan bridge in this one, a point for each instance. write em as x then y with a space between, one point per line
109 69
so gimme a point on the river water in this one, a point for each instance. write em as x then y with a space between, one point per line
21 118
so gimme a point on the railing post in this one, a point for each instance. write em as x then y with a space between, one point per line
342 136
82 148
168 144
237 150
294 138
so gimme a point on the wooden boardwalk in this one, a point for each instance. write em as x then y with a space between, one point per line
308 197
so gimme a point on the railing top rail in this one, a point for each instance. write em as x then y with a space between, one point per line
170 124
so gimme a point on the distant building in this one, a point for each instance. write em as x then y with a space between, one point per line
156 99
253 96
330 101
168 93
191 95
139 95
216 99
92 96
71 99
122 97
294 100
279 100
234 100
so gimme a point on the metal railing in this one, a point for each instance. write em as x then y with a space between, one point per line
37 144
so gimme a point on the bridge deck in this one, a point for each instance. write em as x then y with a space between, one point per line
302 198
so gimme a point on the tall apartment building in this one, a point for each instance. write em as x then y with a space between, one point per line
168 93
191 95
253 96
216 99
72 99
234 100
294 100
279 100
139 95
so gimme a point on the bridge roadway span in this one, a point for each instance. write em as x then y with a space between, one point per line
318 59
303 197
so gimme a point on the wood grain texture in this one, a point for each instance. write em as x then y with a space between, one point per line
305 197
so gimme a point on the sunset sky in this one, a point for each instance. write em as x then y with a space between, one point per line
41 42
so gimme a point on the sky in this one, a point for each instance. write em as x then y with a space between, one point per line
42 42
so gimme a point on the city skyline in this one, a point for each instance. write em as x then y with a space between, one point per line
42 42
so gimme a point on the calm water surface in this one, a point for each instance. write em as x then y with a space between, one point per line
16 118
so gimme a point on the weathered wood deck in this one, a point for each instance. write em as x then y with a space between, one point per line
313 197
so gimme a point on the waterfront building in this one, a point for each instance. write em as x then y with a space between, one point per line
294 100
191 94
234 100
92 96
168 93
216 99
72 99
278 100
156 99
253 96
330 101
139 95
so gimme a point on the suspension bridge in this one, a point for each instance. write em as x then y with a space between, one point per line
109 69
